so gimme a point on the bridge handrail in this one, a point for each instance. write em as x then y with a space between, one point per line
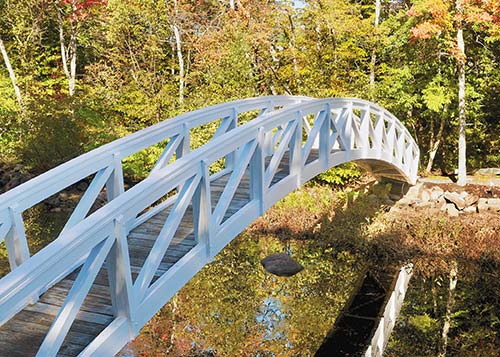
19 286
106 163
28 194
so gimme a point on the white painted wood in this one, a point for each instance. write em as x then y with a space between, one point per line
167 152
233 182
89 197
202 211
280 151
63 321
15 241
119 274
340 135
391 311
165 236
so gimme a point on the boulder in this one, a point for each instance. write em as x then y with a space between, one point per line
440 202
426 195
470 209
482 205
455 198
471 199
451 210
281 264
423 204
494 204
489 171
436 192
414 191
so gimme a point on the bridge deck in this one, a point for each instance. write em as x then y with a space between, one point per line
22 335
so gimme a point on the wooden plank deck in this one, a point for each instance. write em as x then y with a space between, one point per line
23 334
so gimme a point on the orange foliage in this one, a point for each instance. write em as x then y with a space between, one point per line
424 31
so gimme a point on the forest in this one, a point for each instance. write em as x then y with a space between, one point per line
79 73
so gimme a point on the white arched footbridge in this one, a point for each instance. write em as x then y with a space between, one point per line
107 273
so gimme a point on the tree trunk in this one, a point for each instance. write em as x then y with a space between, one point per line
72 63
294 53
12 75
449 307
68 52
180 58
374 52
462 169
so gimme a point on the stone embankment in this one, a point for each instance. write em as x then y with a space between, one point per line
473 199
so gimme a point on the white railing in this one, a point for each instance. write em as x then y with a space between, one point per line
341 130
105 163
387 321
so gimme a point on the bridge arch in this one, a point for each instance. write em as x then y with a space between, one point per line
186 203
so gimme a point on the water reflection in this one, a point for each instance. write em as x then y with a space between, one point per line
233 307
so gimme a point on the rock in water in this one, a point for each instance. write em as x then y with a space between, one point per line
281 264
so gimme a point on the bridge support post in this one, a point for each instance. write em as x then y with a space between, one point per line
15 240
296 151
184 146
120 275
257 168
324 138
114 185
230 158
202 211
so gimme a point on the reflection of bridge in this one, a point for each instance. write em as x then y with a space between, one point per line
91 290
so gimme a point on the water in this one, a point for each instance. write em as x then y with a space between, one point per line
233 307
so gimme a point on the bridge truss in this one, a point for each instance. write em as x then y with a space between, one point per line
147 242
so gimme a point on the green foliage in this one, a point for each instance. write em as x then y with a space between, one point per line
50 142
340 175
138 165
437 95
423 323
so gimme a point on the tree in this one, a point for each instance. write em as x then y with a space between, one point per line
446 18
79 11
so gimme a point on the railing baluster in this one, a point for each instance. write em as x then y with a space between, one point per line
167 153
119 273
233 182
202 210
280 151
257 171
67 314
114 185
364 129
230 158
89 197
184 147
295 159
15 241
324 138
165 236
